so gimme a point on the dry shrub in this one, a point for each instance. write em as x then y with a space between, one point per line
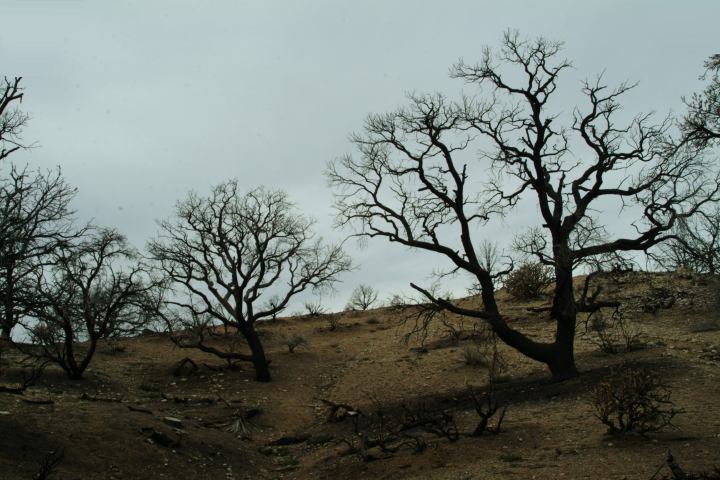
314 309
633 399
528 281
295 341
333 322
612 333
474 355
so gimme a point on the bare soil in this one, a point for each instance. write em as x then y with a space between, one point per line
133 418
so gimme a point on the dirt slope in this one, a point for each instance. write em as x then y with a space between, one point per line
114 424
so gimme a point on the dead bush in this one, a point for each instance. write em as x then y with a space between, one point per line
633 399
381 432
333 322
611 332
295 341
528 281
474 355
314 309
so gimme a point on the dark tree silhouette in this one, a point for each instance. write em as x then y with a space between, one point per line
93 289
35 220
223 253
362 298
696 245
701 124
12 119
417 182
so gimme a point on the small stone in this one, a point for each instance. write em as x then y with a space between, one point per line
173 422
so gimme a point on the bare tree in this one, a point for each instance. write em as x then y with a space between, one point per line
415 179
93 289
696 245
701 124
362 298
12 119
223 252
697 240
35 220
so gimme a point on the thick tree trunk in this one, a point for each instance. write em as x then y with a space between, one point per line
259 360
564 312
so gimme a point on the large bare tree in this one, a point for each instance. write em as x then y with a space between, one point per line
232 259
419 181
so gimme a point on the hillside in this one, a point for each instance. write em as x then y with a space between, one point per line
137 416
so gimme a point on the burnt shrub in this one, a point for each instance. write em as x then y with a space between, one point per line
633 399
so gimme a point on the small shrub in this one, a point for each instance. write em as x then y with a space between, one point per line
397 302
475 356
612 334
314 309
333 322
295 341
528 281
633 399
484 353
372 321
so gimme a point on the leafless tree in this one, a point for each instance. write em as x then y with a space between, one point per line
417 183
93 289
35 220
696 245
223 252
697 242
12 119
701 124
362 298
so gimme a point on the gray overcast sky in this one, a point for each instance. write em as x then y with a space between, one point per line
140 101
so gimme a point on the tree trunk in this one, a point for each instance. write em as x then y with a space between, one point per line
559 355
564 312
8 306
259 360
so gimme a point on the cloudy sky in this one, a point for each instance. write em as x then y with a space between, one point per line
141 101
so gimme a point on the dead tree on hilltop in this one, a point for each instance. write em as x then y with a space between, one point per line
222 253
416 181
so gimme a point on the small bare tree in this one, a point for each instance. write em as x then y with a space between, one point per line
415 181
93 289
362 298
222 253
